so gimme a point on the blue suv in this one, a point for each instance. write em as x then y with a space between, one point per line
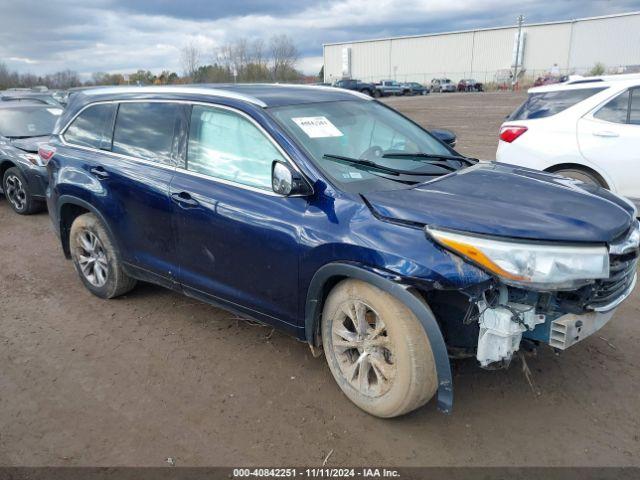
332 216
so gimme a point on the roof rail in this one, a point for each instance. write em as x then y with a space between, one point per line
585 80
217 92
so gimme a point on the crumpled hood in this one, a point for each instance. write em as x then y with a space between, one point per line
29 144
509 201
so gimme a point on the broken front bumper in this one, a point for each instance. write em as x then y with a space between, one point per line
569 329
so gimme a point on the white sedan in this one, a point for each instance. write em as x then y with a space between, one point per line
587 129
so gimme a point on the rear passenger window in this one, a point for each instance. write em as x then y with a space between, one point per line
634 114
540 105
92 128
146 130
225 145
615 110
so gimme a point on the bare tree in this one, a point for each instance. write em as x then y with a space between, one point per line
284 56
5 76
190 59
256 52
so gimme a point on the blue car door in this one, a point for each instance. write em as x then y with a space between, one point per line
131 172
238 241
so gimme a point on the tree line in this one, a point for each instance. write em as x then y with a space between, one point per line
242 60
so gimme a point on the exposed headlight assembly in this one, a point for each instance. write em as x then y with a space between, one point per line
533 265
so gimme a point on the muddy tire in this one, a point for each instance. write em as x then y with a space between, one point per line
16 191
96 260
377 350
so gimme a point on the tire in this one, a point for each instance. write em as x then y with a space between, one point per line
377 93
582 175
366 91
16 191
400 350
102 274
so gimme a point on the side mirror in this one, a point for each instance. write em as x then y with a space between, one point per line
287 181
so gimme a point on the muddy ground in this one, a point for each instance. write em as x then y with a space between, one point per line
153 375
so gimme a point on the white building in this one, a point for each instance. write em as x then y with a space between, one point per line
488 54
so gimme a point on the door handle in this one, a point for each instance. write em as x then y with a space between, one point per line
99 172
184 199
606 133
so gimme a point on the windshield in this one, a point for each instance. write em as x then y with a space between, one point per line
28 121
367 134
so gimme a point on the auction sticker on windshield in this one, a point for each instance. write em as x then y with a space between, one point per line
317 127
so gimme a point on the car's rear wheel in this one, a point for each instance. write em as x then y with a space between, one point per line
582 175
96 260
377 350
16 190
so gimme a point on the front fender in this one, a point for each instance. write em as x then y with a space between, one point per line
391 284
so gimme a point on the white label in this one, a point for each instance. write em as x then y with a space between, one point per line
317 127
54 111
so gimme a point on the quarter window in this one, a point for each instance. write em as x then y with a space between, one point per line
615 110
146 130
225 145
92 128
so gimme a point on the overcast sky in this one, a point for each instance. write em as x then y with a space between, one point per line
123 36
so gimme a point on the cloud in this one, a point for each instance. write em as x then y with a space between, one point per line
121 35
23 60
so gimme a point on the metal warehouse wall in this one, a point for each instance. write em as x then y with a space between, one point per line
482 54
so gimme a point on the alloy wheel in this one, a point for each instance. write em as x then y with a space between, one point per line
92 259
15 192
363 349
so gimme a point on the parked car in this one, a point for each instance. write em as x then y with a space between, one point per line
586 129
390 87
45 98
356 85
339 220
416 88
469 85
446 136
23 127
442 85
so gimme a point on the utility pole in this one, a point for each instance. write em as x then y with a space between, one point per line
515 72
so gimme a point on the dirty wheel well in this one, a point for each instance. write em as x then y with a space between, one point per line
68 213
326 289
4 166
583 168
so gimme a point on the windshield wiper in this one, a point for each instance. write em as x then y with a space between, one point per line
21 137
435 156
375 166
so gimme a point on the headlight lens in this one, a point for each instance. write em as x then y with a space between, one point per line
533 265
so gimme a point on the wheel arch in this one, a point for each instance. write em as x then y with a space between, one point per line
579 166
329 275
68 209
6 164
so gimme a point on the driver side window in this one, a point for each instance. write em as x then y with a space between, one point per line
225 145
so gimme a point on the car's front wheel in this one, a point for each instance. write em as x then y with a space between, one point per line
95 258
16 190
377 350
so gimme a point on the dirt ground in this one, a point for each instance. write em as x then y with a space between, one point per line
153 375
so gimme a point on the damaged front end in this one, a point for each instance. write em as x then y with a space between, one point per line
555 294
